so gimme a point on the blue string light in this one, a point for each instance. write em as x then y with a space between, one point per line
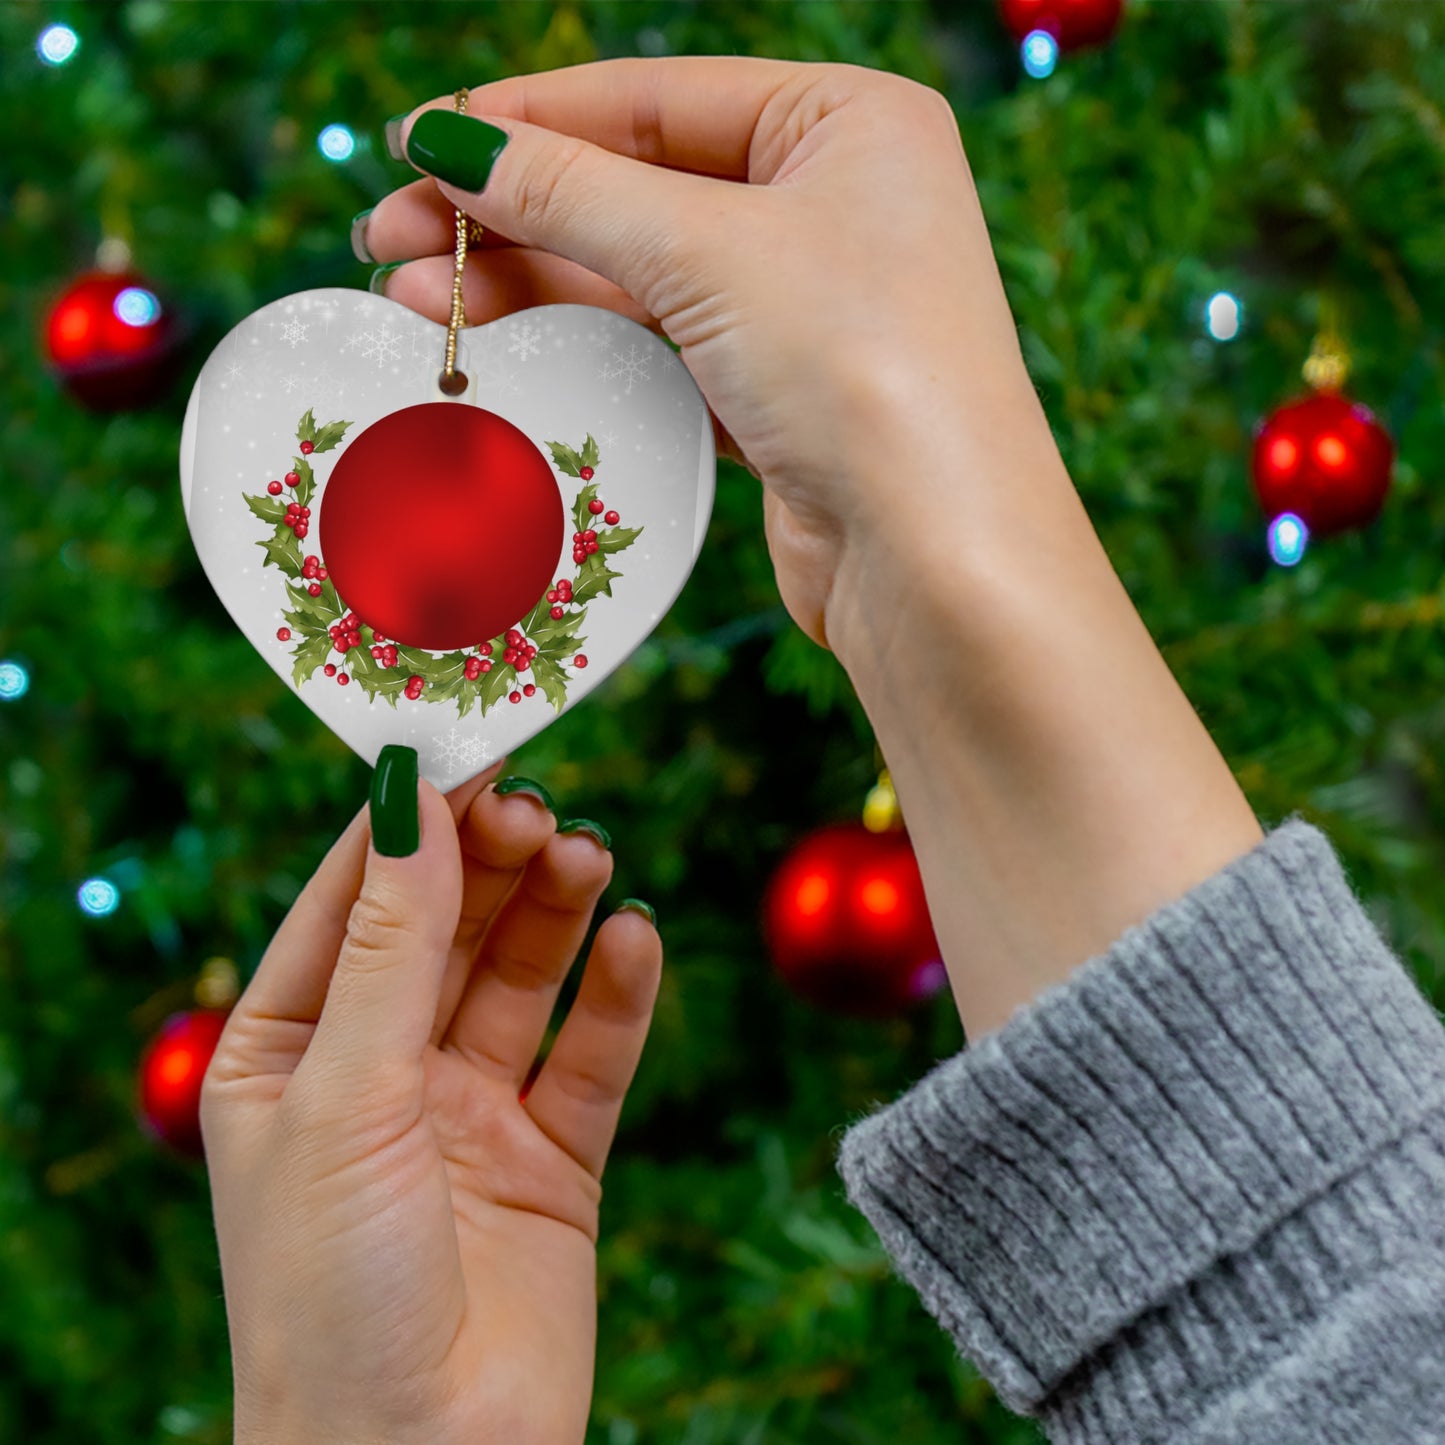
1223 316
137 307
98 897
1288 538
1040 52
57 44
14 681
336 143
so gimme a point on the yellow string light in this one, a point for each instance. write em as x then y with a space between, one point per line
880 808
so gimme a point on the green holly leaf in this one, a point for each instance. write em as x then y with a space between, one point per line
614 539
282 551
306 427
551 681
308 655
319 609
589 452
548 635
496 684
565 459
269 509
328 436
581 517
306 488
594 580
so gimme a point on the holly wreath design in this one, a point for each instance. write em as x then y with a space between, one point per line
533 656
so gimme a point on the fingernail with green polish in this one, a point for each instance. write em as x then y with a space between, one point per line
377 284
636 905
359 248
395 820
526 785
455 148
586 825
393 136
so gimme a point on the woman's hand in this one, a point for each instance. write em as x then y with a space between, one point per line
408 1249
808 235
811 237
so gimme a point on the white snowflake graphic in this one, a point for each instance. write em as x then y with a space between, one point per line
526 341
488 360
290 382
382 345
628 368
460 753
235 371
328 385
609 438
293 333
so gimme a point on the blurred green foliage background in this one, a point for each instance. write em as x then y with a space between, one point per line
1288 153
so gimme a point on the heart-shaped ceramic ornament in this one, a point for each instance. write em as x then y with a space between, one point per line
451 573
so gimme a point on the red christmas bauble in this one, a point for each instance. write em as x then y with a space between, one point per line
1073 23
111 341
171 1071
1324 458
847 923
441 525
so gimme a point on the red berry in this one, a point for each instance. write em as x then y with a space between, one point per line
315 589
580 660
313 561
591 547
485 667
283 634
587 474
589 535
307 448
330 669
510 655
523 663
321 574
342 678
557 613
564 594
416 682
530 650
485 649
293 479
274 488
301 529
594 506
513 636
353 638
530 688
376 636
305 511
612 518
579 554
514 697
377 653
551 594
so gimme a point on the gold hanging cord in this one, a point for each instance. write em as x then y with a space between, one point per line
452 382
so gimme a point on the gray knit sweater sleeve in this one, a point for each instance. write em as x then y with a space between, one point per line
1196 1192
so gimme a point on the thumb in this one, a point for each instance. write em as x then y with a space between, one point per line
381 1002
628 221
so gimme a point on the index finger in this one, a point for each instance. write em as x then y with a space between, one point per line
697 113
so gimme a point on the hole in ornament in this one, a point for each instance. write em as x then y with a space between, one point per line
453 385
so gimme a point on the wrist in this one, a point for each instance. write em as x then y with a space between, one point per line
1056 782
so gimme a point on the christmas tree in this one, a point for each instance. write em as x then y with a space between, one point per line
1179 215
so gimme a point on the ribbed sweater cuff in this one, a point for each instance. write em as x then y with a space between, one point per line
1129 1155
